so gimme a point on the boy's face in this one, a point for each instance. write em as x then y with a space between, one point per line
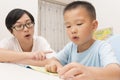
79 25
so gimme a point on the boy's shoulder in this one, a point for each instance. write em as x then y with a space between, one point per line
101 44
70 44
97 43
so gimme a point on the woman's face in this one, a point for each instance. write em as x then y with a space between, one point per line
26 33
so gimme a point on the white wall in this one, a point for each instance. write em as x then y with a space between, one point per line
7 5
108 13
65 1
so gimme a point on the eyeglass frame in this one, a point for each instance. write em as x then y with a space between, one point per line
27 25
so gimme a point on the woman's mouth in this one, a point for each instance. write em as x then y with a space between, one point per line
27 36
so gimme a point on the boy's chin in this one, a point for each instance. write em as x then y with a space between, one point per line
75 42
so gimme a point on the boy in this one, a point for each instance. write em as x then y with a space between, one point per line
95 59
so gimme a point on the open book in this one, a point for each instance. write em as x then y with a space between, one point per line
42 69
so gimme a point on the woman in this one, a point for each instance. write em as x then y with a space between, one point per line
23 47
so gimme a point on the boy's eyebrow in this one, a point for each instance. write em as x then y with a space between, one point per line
66 23
79 19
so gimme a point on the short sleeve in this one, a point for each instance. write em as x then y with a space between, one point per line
5 44
63 55
41 44
107 55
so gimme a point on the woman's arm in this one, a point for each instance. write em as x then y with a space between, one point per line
13 56
29 58
34 62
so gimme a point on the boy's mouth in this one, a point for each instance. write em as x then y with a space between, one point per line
75 38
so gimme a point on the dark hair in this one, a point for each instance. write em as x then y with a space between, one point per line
89 7
15 15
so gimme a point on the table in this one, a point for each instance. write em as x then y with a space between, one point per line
10 71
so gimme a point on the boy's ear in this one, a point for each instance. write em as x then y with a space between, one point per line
95 25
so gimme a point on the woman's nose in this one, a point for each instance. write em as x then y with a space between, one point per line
25 28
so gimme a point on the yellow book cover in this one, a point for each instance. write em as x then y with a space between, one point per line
42 69
103 34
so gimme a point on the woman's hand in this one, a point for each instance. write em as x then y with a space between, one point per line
40 55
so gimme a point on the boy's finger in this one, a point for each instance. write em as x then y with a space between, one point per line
47 67
54 68
65 69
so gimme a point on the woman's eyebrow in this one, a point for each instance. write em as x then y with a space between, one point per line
25 21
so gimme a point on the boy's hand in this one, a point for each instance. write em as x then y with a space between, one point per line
40 55
75 71
53 66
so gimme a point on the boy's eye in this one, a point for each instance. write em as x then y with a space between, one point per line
68 26
79 24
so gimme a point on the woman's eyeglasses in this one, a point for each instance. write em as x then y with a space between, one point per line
21 27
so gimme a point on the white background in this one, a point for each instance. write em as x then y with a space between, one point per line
8 5
108 12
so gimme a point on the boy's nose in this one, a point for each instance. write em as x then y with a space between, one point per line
73 30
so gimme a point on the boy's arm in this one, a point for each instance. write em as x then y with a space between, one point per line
76 71
110 72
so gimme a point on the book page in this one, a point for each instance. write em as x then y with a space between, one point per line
42 69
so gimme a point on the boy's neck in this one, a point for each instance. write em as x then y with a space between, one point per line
85 46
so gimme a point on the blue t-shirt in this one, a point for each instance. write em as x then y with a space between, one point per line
98 55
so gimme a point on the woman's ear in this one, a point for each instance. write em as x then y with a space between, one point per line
11 31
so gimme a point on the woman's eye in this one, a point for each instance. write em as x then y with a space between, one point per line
28 23
19 26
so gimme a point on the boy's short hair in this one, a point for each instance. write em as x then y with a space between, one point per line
89 7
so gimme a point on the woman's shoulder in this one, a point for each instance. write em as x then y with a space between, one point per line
39 38
7 42
8 39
